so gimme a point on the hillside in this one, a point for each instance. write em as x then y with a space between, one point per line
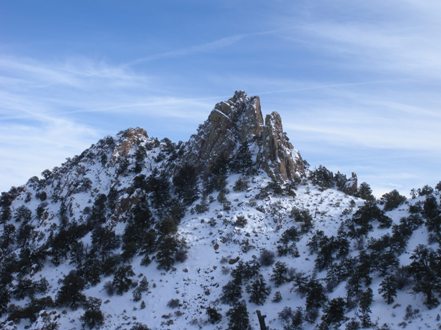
138 233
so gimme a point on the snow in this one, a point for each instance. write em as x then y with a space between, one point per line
214 238
221 113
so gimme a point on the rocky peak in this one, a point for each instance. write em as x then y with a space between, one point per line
242 113
127 140
237 121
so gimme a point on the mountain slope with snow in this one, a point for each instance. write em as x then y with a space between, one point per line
137 233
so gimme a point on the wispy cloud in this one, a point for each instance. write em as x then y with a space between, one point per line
204 47
400 37
46 109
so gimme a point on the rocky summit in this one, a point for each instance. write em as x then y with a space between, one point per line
238 122
229 230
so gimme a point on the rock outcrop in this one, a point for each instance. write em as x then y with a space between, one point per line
278 156
237 121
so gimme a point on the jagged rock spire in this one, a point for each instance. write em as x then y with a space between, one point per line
278 156
239 120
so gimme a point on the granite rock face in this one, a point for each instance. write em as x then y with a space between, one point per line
278 156
237 121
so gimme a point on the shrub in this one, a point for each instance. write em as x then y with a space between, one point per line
266 258
277 297
291 320
174 303
139 326
241 221
143 286
213 315
425 191
240 185
23 214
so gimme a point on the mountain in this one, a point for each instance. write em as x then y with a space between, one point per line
138 233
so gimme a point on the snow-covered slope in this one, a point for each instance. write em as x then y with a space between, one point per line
137 233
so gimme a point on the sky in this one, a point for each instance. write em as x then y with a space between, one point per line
356 82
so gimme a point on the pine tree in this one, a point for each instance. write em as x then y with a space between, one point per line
167 248
104 241
122 279
238 317
92 317
185 182
259 291
322 177
291 320
315 296
22 214
158 185
4 299
388 289
280 273
213 315
334 312
98 214
70 292
365 307
231 292
365 192
392 200
425 271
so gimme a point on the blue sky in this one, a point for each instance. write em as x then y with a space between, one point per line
356 82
